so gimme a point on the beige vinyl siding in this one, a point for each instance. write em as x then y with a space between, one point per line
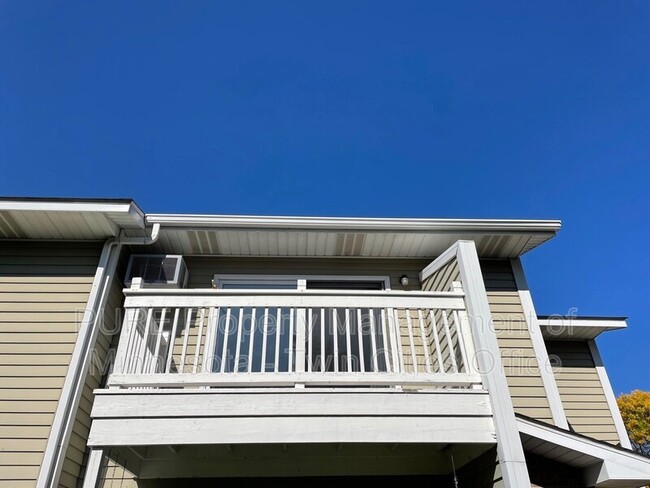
442 279
101 358
582 394
44 289
448 343
193 334
115 473
517 353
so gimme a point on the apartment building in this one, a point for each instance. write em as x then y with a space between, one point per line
149 350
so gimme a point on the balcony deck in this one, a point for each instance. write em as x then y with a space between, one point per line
285 366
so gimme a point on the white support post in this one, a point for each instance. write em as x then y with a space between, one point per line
509 447
609 395
543 361
93 469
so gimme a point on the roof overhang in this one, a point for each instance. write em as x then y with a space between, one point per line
243 235
578 328
231 235
603 464
57 218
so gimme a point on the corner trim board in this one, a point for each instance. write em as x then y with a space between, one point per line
543 361
609 395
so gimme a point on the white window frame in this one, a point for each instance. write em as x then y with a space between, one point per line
300 280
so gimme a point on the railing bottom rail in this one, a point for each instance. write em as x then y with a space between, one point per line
216 380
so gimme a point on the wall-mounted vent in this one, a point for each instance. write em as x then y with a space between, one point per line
157 270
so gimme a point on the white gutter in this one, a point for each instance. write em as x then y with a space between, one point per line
142 241
55 206
65 415
355 224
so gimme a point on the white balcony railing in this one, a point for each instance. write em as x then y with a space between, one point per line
235 338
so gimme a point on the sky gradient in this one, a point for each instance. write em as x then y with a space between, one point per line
408 109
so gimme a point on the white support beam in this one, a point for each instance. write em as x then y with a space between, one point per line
290 429
509 448
543 361
244 403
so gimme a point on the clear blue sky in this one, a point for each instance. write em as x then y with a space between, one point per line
422 109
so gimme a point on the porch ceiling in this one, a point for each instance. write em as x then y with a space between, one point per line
336 237
294 460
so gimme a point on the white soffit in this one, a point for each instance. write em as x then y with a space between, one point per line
47 218
235 235
578 328
342 237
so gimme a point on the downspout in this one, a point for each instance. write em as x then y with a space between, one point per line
74 382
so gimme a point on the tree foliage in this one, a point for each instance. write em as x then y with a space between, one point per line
635 410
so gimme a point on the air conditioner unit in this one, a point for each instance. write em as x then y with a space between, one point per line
157 270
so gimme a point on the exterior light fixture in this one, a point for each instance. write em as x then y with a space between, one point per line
404 280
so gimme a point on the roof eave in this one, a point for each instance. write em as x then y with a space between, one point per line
63 218
609 466
566 328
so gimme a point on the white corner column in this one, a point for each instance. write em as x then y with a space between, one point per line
543 361
509 448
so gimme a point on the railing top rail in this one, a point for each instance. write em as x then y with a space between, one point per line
211 292
292 298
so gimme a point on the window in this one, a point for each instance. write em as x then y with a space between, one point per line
300 282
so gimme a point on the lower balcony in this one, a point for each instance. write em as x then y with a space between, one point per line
280 367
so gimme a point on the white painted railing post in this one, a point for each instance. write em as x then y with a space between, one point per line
127 335
396 340
465 333
208 352
120 365
301 339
